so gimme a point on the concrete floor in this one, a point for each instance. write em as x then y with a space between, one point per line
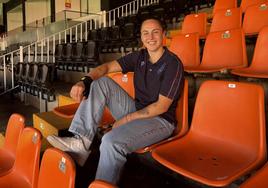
9 105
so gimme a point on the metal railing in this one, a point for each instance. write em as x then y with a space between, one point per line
127 9
44 49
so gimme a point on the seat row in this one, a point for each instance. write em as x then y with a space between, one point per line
111 39
255 18
36 79
76 56
221 145
227 146
227 4
20 157
223 51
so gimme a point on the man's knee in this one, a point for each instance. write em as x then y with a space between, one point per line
102 80
101 84
110 143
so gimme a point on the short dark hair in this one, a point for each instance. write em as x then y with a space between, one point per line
159 21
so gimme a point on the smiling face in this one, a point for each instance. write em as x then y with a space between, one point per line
152 35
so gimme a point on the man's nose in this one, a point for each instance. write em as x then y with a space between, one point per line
151 36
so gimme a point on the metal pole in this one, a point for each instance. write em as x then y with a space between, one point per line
42 50
47 49
12 69
86 31
109 18
53 46
81 32
29 53
65 37
59 37
35 52
21 53
70 32
114 18
76 33
5 76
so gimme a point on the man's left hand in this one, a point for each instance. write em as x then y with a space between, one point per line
120 122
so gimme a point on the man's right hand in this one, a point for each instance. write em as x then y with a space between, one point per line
77 91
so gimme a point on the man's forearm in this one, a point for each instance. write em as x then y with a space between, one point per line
98 71
104 69
149 111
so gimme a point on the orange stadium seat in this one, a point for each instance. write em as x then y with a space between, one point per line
57 170
124 80
195 23
247 3
221 145
223 50
182 118
224 4
186 47
226 20
101 184
259 65
256 17
8 151
258 180
25 171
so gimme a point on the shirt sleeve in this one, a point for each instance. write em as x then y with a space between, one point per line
173 80
128 62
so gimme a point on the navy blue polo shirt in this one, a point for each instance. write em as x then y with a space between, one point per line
164 77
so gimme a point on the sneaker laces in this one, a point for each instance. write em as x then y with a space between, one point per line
83 142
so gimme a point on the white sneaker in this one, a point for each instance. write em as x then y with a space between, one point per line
76 146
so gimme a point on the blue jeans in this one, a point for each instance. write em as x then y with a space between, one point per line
120 141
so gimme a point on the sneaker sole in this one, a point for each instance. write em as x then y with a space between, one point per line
56 143
80 159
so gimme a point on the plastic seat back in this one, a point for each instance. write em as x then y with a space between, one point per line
57 170
258 180
247 3
18 71
226 20
33 68
90 51
67 52
224 4
227 137
42 74
77 51
186 47
104 34
126 82
8 151
14 129
58 52
128 31
255 18
260 57
115 33
259 65
220 111
25 71
28 156
101 184
224 50
181 117
195 23
93 35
